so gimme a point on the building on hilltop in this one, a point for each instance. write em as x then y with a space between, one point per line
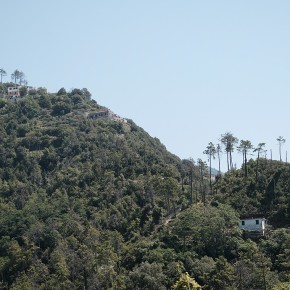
98 115
116 117
254 226
13 93
106 114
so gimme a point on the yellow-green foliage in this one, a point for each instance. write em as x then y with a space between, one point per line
185 282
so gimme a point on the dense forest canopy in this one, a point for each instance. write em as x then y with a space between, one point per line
96 203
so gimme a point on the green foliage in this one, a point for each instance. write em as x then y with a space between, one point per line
222 275
282 286
23 91
77 195
277 248
99 204
267 195
3 103
61 92
206 230
185 282
61 108
147 276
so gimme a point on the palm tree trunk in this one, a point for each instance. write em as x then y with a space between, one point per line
210 184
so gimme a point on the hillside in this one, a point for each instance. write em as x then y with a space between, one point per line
92 201
74 190
265 192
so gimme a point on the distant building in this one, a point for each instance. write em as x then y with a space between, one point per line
253 226
29 88
116 117
98 115
106 114
13 92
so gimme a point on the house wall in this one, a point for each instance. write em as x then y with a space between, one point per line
97 115
106 114
255 224
13 92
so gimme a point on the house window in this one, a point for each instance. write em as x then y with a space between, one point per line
243 223
257 222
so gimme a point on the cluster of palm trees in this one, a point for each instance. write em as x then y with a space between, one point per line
230 142
17 76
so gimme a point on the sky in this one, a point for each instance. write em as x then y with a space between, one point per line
185 71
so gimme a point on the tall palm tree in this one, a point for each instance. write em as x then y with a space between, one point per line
15 75
259 149
244 147
210 152
229 141
2 73
281 141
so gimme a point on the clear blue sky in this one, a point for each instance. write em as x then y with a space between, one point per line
185 71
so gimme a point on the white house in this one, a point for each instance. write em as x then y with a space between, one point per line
13 92
253 225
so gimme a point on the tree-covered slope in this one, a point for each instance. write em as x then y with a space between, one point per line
74 191
99 204
265 191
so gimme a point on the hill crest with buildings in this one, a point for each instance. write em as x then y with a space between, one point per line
17 92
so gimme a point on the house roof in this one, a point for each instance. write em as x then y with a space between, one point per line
252 217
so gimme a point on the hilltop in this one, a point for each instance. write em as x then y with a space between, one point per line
89 200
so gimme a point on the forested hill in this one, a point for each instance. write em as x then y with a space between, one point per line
89 200
74 190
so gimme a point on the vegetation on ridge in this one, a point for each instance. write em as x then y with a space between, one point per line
99 204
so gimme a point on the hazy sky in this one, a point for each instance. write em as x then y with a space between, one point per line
186 71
